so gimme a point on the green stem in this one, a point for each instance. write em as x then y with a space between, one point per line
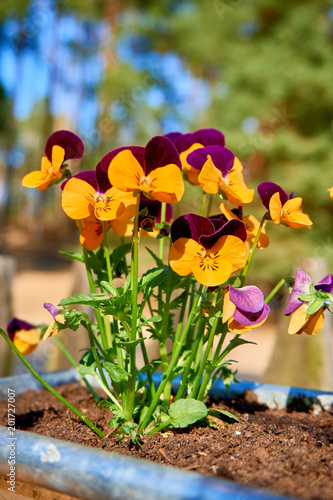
275 290
48 387
161 247
209 206
193 354
206 356
106 252
203 203
253 248
93 290
130 393
173 361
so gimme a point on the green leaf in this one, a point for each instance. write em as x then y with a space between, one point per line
72 255
119 253
154 277
224 415
315 305
186 412
158 261
88 300
116 373
110 288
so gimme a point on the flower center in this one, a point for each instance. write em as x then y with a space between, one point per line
145 181
208 260
100 199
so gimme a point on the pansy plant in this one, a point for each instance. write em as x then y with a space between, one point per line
188 299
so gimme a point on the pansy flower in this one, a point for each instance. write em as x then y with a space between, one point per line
305 296
283 208
187 143
155 170
210 254
90 192
57 316
244 308
330 190
220 171
60 147
24 335
252 226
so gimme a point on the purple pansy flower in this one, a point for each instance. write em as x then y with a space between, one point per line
244 308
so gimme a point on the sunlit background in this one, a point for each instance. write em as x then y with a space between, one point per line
119 72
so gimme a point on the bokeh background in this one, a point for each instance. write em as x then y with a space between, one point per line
119 72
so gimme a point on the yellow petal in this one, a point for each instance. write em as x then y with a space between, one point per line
91 236
122 228
27 340
275 208
232 249
210 177
228 307
166 184
78 198
191 172
58 156
315 323
298 319
293 216
226 212
252 226
38 178
235 189
211 272
110 207
330 190
182 253
125 172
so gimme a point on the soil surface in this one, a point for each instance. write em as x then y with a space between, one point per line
288 452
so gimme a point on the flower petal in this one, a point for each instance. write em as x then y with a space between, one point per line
78 198
70 142
191 226
266 191
159 152
228 307
26 341
233 250
181 255
248 299
275 208
211 272
210 177
125 172
221 157
301 286
166 185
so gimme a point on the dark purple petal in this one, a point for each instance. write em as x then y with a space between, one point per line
70 142
222 158
137 151
208 137
102 179
173 136
249 319
218 221
266 191
326 284
160 151
15 325
248 299
191 226
53 310
301 286
88 176
234 227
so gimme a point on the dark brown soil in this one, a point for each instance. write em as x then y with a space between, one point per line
288 452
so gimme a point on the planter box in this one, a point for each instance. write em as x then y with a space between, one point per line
87 473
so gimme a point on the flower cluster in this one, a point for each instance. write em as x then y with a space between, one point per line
198 294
